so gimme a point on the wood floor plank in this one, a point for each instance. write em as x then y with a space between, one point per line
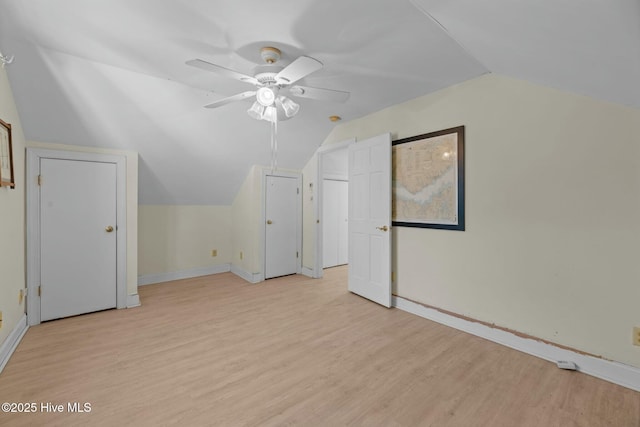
216 350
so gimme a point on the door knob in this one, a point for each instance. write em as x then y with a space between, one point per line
269 222
383 228
108 229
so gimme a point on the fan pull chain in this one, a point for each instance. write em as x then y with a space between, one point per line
274 144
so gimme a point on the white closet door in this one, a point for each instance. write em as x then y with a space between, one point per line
342 214
78 237
335 209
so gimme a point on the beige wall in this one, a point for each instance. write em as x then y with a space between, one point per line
247 214
552 207
12 220
175 238
132 202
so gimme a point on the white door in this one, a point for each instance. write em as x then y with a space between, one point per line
282 226
370 219
78 237
335 202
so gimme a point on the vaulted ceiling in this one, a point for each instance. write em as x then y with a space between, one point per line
112 73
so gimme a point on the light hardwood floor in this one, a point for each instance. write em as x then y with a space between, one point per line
291 351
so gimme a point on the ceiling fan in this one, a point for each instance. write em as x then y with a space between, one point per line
274 84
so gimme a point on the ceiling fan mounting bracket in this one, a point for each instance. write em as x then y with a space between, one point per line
270 54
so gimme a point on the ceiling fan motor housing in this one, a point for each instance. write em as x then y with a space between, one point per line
266 74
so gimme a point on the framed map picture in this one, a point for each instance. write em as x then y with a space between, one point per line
6 156
428 180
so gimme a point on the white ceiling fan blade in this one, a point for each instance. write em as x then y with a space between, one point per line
238 97
301 67
208 66
319 94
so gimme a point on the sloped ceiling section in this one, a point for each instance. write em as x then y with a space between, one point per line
112 73
589 47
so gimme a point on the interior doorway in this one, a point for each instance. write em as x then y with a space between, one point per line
332 207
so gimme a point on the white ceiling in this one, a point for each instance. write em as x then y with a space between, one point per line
112 73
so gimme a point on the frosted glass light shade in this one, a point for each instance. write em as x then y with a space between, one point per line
256 111
283 109
270 114
290 108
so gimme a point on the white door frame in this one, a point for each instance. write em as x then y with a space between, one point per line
320 176
263 215
33 222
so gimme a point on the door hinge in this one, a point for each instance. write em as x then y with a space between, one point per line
297 255
297 191
39 179
39 290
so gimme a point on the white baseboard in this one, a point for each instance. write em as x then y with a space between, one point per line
12 341
133 301
306 271
182 274
249 277
617 373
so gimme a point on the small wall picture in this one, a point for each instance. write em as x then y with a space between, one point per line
6 156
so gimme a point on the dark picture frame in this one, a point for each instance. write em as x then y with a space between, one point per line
6 156
428 180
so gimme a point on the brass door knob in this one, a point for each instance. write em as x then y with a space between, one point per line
383 228
269 222
108 229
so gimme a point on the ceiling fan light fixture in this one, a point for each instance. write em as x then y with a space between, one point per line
256 111
290 107
266 95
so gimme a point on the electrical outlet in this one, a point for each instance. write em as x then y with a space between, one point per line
241 255
20 296
214 252
636 335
